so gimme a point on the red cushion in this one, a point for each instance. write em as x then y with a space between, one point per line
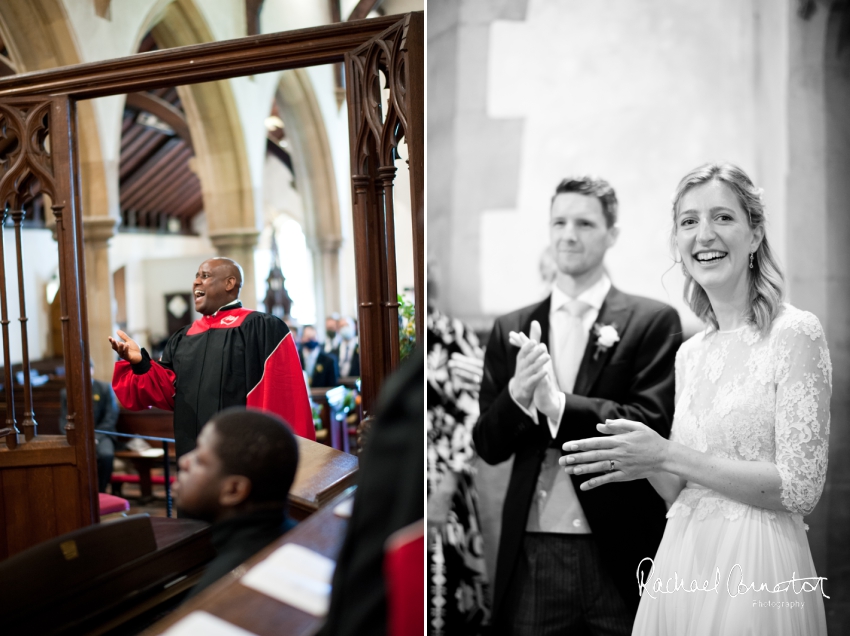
124 479
134 479
111 503
404 574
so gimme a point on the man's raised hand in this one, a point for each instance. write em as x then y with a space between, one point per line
127 348
531 364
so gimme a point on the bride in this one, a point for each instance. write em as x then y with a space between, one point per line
748 450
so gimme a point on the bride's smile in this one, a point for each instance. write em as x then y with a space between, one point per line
715 240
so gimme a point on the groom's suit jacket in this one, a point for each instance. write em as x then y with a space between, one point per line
634 380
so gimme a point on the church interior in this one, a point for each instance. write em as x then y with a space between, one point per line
524 93
137 140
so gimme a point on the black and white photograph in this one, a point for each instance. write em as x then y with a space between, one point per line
638 344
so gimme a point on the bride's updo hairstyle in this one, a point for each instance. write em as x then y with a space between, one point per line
766 282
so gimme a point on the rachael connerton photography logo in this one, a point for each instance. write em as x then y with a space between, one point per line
735 585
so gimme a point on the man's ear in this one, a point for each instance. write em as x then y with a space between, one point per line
230 283
235 489
613 233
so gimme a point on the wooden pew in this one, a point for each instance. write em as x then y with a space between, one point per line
101 594
323 473
254 611
101 576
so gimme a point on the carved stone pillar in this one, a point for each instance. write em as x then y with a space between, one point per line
97 230
239 244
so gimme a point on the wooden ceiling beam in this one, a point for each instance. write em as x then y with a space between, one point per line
363 8
126 124
185 203
157 179
7 66
130 136
167 192
171 149
131 163
140 139
163 110
192 206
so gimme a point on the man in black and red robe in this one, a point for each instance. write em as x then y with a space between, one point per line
229 357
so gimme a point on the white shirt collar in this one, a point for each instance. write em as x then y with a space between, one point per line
593 295
230 305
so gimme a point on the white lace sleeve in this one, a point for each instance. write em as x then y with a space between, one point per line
803 391
680 374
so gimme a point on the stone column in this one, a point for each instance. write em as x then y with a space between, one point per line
239 244
326 283
329 254
97 230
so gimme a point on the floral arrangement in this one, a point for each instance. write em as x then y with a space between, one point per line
406 327
317 415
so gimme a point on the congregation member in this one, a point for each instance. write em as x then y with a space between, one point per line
331 333
552 371
105 419
238 478
231 356
347 351
457 597
320 367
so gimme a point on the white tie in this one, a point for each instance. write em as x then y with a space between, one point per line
570 340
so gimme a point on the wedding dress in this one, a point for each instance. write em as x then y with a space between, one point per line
726 567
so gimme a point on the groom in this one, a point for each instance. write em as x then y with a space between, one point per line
567 558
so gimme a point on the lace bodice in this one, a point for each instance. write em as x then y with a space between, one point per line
746 396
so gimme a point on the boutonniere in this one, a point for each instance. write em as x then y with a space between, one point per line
320 368
606 337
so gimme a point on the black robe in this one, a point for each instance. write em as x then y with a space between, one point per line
235 357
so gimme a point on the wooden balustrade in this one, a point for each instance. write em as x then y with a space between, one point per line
12 436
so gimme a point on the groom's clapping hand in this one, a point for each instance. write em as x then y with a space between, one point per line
543 385
532 364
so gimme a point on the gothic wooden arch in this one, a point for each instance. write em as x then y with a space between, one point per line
35 105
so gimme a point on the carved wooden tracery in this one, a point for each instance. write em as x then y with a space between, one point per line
390 60
48 483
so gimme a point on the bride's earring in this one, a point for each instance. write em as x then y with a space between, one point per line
751 259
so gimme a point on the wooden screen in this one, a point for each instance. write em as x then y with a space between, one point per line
47 483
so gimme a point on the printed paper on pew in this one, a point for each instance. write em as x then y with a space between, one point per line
344 508
294 575
206 624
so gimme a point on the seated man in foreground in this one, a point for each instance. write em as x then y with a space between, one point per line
238 479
